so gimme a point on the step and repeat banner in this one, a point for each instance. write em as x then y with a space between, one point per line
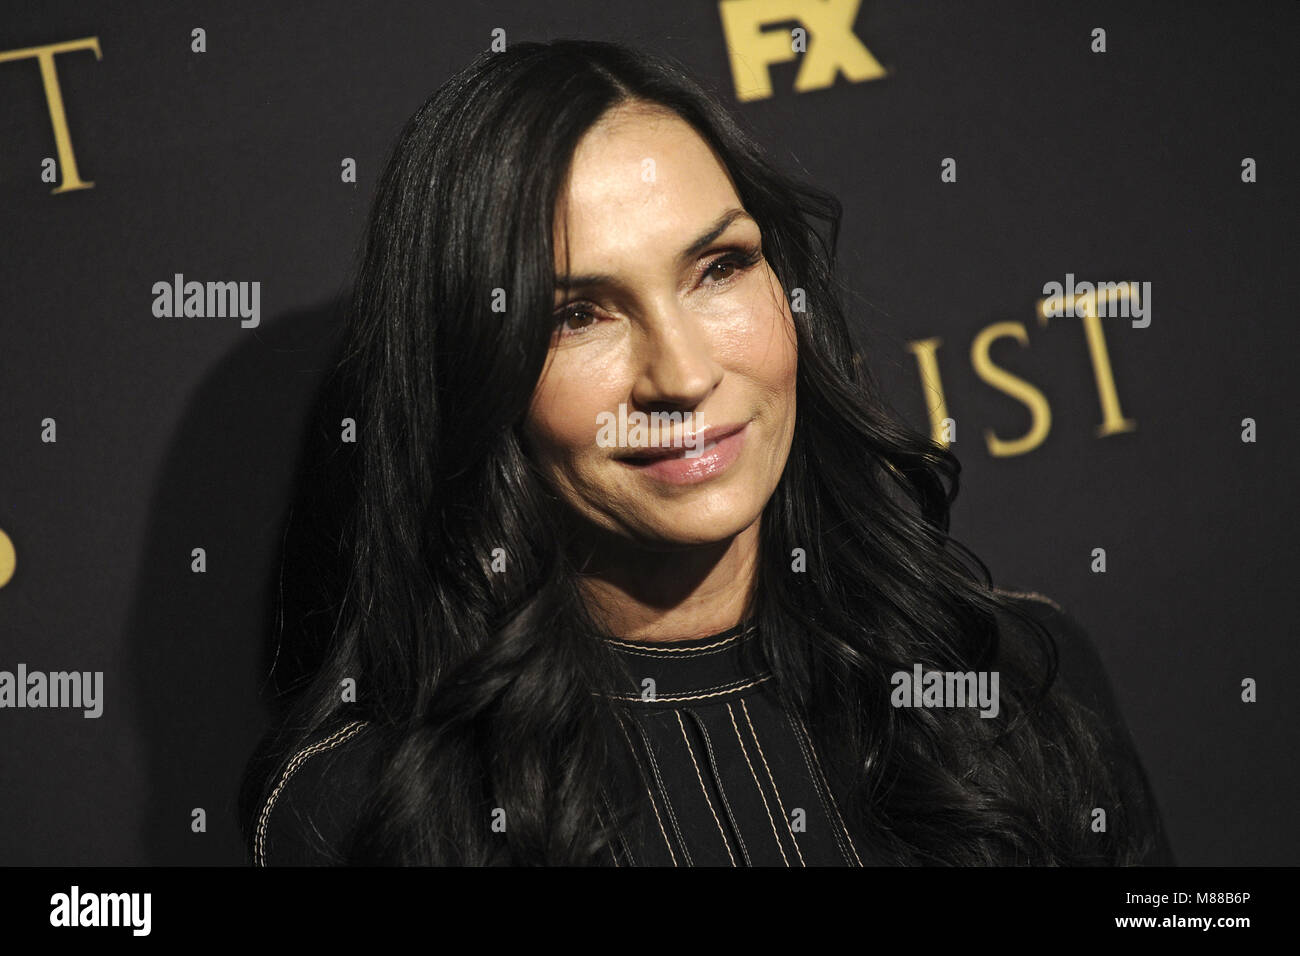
1068 250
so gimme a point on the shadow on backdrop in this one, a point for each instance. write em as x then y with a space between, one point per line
246 478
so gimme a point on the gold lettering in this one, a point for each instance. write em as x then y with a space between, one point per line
926 352
834 49
1113 420
44 56
1039 410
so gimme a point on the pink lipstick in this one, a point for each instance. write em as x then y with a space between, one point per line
674 466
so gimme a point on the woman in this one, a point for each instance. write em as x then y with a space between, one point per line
639 568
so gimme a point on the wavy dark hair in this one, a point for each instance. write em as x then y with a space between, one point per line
485 687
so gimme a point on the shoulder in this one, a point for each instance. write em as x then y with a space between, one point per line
316 798
1080 671
1081 675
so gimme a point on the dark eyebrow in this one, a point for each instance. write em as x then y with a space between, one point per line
696 246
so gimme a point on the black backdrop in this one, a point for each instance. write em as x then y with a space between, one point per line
176 433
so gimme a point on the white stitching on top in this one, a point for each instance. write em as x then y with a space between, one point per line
826 784
329 743
643 775
745 753
700 777
718 692
785 811
669 649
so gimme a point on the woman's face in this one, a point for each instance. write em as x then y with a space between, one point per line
665 307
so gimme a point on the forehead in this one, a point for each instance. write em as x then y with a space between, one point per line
639 176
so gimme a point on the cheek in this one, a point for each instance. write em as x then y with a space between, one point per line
561 424
763 339
555 436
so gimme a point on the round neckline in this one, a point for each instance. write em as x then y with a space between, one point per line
698 671
716 641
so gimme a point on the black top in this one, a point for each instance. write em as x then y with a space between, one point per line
726 775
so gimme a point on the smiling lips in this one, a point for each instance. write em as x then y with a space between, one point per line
671 465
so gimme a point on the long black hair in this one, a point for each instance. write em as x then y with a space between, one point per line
485 687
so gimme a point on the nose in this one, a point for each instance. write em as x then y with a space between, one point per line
676 364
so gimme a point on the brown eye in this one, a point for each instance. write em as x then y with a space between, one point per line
574 319
725 266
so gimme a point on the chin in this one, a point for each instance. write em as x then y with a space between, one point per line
687 527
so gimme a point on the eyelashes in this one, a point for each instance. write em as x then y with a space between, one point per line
737 259
740 260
